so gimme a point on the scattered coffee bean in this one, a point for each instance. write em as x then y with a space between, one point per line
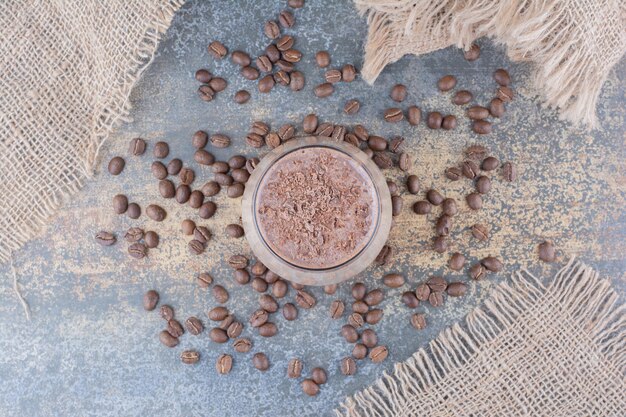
218 84
477 272
220 294
470 169
360 307
150 300
456 289
446 83
497 107
120 204
260 361
251 164
137 147
434 120
323 90
477 112
348 73
242 345
271 29
509 172
348 366
224 364
437 283
398 93
105 238
204 280
356 320
309 124
167 339
393 115
449 122
453 173
373 316
134 211
493 264
284 43
482 127
382 160
457 261
217 49
310 387
502 77
337 308
175 328
440 245
266 84
319 376
286 19
473 53
167 312
349 333
352 107
418 321
194 326
396 205
259 284
156 213
234 330
183 193
161 150
476 152
444 223
462 97
436 299
547 252
138 250
206 93
116 165
158 170
449 207
359 351
490 163
202 234
404 162
268 303
304 299
294 368
483 184
410 300
474 201
297 81
151 239
242 276
422 207
422 292
238 261
218 313
369 338
379 354
393 280
218 335
505 94
434 197
374 297
413 115
268 329
384 256
250 73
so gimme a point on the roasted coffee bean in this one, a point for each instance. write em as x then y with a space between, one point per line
259 284
382 160
410 300
116 165
234 231
374 297
295 4
446 83
325 129
369 338
196 198
477 112
482 127
509 171
398 93
304 299
490 163
236 190
473 53
134 211
322 58
167 189
286 19
497 108
449 122
434 120
217 49
477 272
396 144
505 94
210 189
271 29
234 330
183 193
198 140
393 115
349 333
285 42
436 299
356 320
167 339
294 368
330 289
281 77
190 357
220 294
224 364
414 115
105 238
150 300
194 326
453 173
422 292
266 84
137 147
474 201
220 141
348 366
437 283
449 207
348 73
175 328
502 77
547 252
223 179
359 351
462 97
242 345
297 81
161 150
218 84
290 312
264 63
268 303
319 376
373 316
120 204
251 164
476 152
444 223
457 261
393 188
260 361
361 133
167 312
175 165
396 205
134 234
393 280
138 250
310 388
323 90
202 234
404 162
359 290
242 97
206 93
470 169
456 289
352 139
226 322
483 184
259 318
285 66
493 264
384 256
279 288
292 55
272 52
360 307
286 132
186 176
268 330
218 313
309 124
242 276
377 143
434 197
250 73
196 247
254 140
204 280
379 354
418 321
351 107
240 58
422 207
158 170
337 308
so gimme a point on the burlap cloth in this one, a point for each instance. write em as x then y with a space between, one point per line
532 350
572 44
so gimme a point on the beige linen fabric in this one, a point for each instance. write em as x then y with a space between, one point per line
573 44
532 350
67 69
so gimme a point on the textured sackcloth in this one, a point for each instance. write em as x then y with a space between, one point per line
573 44
532 350
66 71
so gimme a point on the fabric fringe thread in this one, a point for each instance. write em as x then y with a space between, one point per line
582 295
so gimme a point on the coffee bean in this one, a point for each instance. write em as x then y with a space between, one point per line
502 77
161 150
271 29
449 207
369 338
404 162
473 53
477 272
167 339
396 144
294 368
482 127
436 299
175 165
330 289
349 333
105 238
167 312
196 198
116 165
497 107
218 313
268 329
240 58
156 213
337 308
175 328
290 312
220 294
183 193
396 205
319 376
206 93
167 189
138 250
493 264
434 197
509 171
134 234
449 122
285 66
286 19
120 204
137 147
547 252
195 247
235 191
250 73
186 176
218 335
266 84
242 345
238 261
490 163
224 364
360 307
505 94
457 261
384 256
393 280
260 361
309 124
323 90
158 170
410 300
194 326
268 303
242 276
379 354
279 288
382 160
418 321
259 284
217 49
325 129
359 351
203 76
251 164
259 318
190 357
202 234
284 43
474 201
398 93
374 297
444 223
446 83
352 107
359 290
462 97
150 300
434 120
437 283
440 245
204 280
377 143
218 84
470 169
286 132
422 292
292 55
456 289
134 211
223 179
304 299
348 366
477 112
234 231
483 184
322 58
373 316
393 115
310 387
453 173
297 81
422 207
414 115
356 320
234 330
348 73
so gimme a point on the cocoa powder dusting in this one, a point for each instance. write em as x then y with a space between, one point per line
316 208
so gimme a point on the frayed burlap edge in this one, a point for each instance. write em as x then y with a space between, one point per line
111 116
590 301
